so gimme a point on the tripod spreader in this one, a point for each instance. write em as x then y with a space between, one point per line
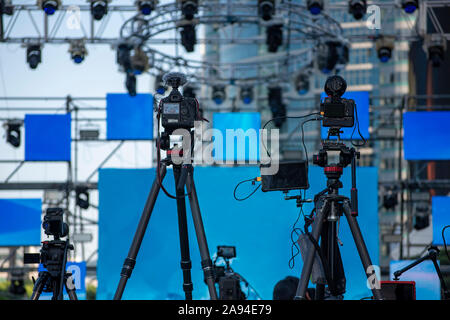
433 253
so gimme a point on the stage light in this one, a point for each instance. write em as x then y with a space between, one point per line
124 56
278 108
314 6
130 84
421 216
357 8
33 55
6 7
49 6
189 91
410 5
13 134
218 94
188 37
99 8
390 200
274 37
160 87
139 61
302 83
77 51
189 8
146 6
82 197
435 46
246 94
266 9
329 54
384 46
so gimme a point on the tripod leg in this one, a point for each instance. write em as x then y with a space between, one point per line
130 261
70 286
310 255
39 285
362 250
201 237
184 239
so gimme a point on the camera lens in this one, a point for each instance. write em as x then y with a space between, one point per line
335 86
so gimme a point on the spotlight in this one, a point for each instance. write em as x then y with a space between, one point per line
49 6
328 55
160 87
384 46
189 8
124 56
6 7
421 216
146 6
246 94
390 200
189 91
13 134
274 37
34 55
277 106
266 9
435 45
99 8
314 6
357 8
130 84
302 83
77 51
82 197
139 61
218 94
410 5
188 37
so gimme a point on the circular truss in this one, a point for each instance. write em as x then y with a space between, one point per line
302 32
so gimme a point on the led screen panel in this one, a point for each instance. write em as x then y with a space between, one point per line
441 218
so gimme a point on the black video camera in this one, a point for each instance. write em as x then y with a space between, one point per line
53 223
336 111
177 111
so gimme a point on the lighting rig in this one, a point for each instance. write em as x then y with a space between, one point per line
266 9
278 108
218 94
49 6
435 47
13 132
315 7
146 7
357 8
99 8
384 46
410 5
246 94
77 51
34 55
188 8
274 37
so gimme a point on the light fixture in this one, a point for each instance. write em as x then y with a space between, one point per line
410 5
302 83
6 7
13 133
384 46
124 56
218 94
160 87
49 6
99 8
246 94
188 37
266 9
77 51
33 55
130 84
278 108
435 47
146 6
329 54
189 8
357 8
82 197
139 61
314 6
274 37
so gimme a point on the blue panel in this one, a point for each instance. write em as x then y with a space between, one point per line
260 227
78 271
129 118
238 120
47 137
20 222
426 135
362 107
428 286
441 218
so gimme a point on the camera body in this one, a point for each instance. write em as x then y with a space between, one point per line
53 223
336 111
177 111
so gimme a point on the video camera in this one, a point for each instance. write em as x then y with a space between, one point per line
337 112
177 111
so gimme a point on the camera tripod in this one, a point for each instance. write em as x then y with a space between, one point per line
184 177
56 275
329 206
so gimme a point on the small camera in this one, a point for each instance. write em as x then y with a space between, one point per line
177 111
336 111
53 223
226 252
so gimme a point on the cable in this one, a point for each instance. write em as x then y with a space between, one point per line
359 132
445 243
248 196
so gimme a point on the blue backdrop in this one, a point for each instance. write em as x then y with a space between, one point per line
362 105
20 222
426 135
129 118
441 218
47 137
259 227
